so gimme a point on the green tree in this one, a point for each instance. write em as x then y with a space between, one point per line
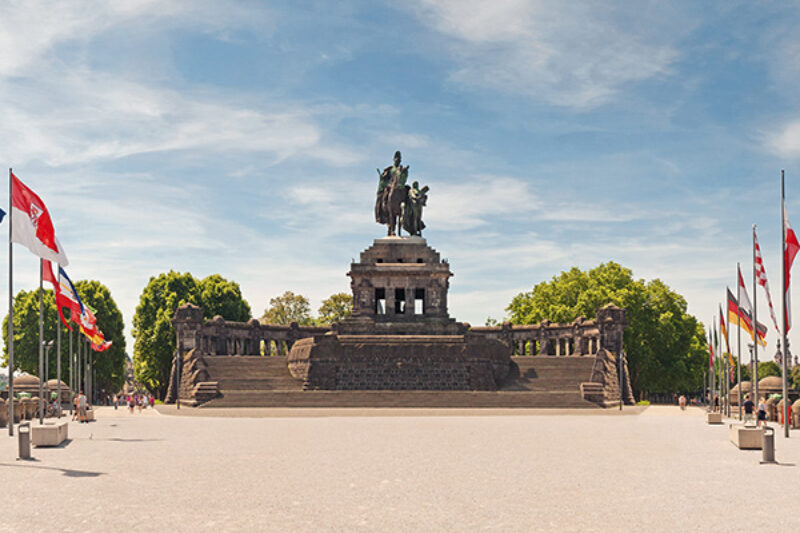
154 344
794 377
218 296
287 308
26 330
109 365
665 346
769 368
335 308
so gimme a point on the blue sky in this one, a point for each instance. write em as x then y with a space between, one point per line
242 138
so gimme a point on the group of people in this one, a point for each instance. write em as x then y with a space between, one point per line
749 407
135 400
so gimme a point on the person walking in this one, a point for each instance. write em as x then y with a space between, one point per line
130 404
682 402
762 412
82 408
749 407
116 402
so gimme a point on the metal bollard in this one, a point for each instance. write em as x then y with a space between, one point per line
768 446
24 440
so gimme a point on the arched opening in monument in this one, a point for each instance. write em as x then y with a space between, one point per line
380 301
419 300
399 301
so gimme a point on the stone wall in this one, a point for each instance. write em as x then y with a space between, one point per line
579 337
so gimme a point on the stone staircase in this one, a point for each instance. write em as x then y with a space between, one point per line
400 399
250 373
254 381
554 381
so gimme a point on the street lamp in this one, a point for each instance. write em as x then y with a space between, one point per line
47 345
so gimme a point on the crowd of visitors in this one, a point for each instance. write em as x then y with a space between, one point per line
135 400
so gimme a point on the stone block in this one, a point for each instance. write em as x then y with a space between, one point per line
49 434
714 418
746 437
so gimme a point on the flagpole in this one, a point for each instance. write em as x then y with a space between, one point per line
41 339
712 371
10 311
728 365
71 361
716 352
755 320
58 346
785 289
738 343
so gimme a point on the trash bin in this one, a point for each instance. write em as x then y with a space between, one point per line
768 445
24 440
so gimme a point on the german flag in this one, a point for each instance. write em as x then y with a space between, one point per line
742 318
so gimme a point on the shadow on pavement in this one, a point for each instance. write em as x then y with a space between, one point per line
116 439
66 471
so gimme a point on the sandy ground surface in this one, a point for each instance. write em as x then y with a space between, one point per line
659 469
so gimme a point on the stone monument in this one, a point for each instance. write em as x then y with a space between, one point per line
400 335
400 338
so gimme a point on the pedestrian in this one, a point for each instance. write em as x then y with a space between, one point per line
716 403
116 402
762 412
152 401
749 406
81 408
75 404
130 404
682 402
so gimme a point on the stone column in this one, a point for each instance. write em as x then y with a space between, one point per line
389 300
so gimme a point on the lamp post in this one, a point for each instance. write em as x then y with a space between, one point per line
47 345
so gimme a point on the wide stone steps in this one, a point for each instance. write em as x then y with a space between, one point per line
251 373
407 399
551 374
255 381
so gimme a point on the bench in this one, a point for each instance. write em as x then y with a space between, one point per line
49 434
746 437
714 418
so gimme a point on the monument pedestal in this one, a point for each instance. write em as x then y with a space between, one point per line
400 336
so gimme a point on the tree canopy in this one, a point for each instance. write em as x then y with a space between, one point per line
665 346
287 308
335 308
109 365
154 343
769 368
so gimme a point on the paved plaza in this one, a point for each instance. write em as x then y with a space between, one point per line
654 469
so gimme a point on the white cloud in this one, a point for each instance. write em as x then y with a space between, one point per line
786 142
30 29
574 54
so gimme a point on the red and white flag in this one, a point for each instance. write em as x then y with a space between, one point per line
744 301
790 249
761 276
31 224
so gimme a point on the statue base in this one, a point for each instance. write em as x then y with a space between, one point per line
399 362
